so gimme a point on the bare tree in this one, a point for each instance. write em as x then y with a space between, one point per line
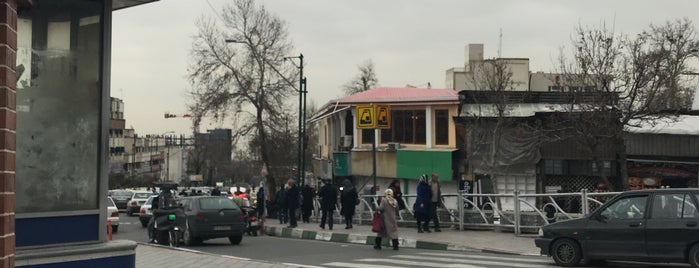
245 81
640 77
365 80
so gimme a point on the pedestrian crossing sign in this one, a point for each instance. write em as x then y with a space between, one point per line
366 117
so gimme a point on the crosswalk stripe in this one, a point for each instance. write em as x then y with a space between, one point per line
421 263
499 258
358 265
467 261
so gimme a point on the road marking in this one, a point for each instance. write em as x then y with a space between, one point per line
423 264
499 258
466 261
301 265
358 265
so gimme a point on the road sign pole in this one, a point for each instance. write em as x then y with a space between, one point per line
373 155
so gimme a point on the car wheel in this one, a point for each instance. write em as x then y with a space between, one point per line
144 223
188 237
694 256
129 213
235 239
566 252
254 233
115 229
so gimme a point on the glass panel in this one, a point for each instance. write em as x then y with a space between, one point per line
689 210
58 106
626 208
667 206
216 203
420 127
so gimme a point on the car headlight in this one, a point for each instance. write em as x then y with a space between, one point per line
541 231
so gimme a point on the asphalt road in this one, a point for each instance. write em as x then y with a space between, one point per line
311 253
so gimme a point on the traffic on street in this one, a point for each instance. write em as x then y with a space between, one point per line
311 253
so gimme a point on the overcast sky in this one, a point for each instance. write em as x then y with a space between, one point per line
410 41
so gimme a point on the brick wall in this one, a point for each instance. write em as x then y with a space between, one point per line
8 83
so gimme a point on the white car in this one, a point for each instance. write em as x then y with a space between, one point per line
136 201
112 214
146 212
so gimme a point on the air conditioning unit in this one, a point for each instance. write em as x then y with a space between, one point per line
392 146
346 141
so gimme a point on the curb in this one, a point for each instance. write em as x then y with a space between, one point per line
361 239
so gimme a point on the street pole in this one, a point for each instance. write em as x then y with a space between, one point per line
300 142
167 166
373 161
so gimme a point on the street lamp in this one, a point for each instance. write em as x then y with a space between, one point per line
302 104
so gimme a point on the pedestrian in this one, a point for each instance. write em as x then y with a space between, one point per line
261 206
328 200
215 191
435 201
397 194
281 205
421 207
292 202
307 203
349 199
388 208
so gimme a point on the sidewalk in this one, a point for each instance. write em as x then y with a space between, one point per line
149 255
449 239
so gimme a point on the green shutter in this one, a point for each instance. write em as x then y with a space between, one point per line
412 164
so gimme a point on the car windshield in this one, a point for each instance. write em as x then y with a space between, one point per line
216 203
122 193
141 195
110 202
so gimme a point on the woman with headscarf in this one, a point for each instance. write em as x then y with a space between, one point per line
422 205
397 193
349 199
388 208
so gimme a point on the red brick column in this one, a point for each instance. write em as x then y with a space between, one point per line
8 127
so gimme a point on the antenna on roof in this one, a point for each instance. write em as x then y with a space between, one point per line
500 44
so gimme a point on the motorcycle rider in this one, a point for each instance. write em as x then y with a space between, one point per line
165 200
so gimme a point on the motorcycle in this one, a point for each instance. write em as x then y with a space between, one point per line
252 224
169 226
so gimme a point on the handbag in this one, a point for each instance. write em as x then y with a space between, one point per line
376 223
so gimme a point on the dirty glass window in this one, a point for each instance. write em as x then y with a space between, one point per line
407 126
441 127
58 106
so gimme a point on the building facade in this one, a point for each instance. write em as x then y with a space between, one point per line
421 138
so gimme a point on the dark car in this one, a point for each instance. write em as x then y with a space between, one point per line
648 225
212 217
121 198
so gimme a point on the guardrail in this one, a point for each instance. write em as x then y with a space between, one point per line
488 208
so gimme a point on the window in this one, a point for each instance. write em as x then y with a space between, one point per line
606 168
556 89
367 136
407 126
673 206
628 208
216 203
441 123
59 47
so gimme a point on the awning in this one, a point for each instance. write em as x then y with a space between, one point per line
330 110
121 4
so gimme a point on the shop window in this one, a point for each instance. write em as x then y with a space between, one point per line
441 130
555 167
59 48
407 126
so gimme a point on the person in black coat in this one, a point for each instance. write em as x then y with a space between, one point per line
281 205
328 200
307 203
292 202
349 199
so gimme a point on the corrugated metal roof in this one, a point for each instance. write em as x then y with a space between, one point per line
684 125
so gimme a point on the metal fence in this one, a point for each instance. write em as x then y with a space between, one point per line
530 211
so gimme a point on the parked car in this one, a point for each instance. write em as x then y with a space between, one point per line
649 225
145 213
137 200
121 198
212 217
113 214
